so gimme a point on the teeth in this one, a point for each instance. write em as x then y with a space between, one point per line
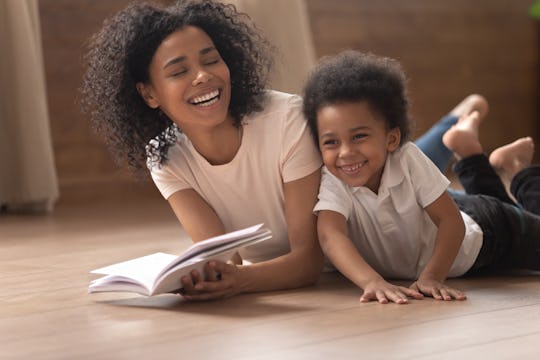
208 103
352 168
204 98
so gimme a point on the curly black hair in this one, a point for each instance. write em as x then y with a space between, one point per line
119 57
352 76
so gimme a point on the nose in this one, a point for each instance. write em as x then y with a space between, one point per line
201 77
345 150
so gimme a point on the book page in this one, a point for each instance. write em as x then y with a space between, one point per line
118 283
207 244
221 244
143 269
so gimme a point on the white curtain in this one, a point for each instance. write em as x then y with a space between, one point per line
286 24
28 181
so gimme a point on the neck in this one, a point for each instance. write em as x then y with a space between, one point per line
218 145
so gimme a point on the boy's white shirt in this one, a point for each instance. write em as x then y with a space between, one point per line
391 229
276 148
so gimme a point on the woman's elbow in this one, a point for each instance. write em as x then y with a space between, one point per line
313 266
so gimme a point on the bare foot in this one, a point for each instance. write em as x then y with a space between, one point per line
509 159
473 102
462 138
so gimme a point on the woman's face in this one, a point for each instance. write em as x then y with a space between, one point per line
189 81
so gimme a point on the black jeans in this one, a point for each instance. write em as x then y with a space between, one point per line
511 231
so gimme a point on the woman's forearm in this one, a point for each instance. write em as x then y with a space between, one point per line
295 269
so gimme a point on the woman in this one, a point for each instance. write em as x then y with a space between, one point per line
225 152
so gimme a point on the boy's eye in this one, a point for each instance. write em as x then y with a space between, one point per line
359 136
329 142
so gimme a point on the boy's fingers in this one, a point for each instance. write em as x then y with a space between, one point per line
456 294
413 293
398 297
381 297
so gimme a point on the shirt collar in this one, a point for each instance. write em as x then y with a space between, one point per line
392 176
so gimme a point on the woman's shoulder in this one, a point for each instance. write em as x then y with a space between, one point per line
177 153
275 116
282 98
278 104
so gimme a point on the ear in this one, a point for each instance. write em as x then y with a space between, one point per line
146 93
393 139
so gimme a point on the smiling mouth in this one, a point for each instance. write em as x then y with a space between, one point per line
352 168
206 100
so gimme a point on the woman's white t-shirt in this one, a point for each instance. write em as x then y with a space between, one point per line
276 148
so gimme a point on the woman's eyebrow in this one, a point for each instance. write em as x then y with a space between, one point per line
179 59
207 50
176 60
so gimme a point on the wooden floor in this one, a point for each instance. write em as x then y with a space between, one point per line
46 313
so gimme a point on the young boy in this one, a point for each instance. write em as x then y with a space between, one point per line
383 209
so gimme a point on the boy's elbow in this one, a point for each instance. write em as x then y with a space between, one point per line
324 243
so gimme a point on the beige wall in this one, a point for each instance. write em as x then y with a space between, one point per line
448 48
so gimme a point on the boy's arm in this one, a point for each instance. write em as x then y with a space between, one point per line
451 231
336 244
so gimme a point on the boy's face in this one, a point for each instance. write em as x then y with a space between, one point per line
354 143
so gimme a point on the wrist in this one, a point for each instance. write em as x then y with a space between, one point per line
244 276
370 280
431 276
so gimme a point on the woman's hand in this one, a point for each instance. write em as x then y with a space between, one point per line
383 292
221 282
437 290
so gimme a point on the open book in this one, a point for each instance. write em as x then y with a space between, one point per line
160 273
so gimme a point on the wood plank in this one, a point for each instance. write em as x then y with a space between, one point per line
46 312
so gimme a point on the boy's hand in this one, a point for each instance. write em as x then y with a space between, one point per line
437 290
383 292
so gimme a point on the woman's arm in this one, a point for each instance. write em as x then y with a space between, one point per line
336 244
303 264
300 267
450 233
201 222
197 217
